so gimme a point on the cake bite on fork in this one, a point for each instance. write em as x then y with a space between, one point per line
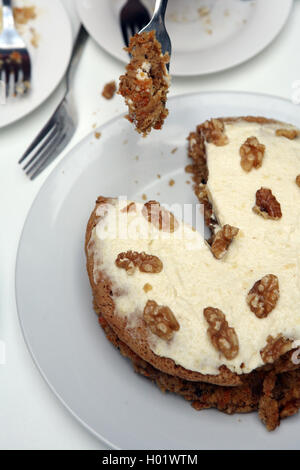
146 82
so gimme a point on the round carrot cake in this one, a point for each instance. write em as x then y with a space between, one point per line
217 318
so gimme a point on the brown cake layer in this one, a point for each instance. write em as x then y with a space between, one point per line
275 394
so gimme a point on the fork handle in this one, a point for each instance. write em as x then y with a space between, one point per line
160 8
8 16
78 48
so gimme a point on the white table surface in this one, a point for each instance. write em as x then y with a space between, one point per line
31 417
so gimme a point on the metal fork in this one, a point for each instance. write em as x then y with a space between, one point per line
15 64
60 128
157 23
133 17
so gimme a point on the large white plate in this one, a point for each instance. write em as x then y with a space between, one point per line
49 60
54 299
238 31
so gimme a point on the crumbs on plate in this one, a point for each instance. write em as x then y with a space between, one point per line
109 90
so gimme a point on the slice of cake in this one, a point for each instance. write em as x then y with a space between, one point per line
224 313
146 83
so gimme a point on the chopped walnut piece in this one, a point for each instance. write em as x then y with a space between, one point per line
145 263
160 320
223 338
264 295
214 132
109 90
159 217
267 205
298 181
130 208
288 133
252 154
275 348
222 240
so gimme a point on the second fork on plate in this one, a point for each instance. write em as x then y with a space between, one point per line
15 63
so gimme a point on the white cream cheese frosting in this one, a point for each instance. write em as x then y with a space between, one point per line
192 279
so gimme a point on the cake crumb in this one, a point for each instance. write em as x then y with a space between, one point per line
174 150
188 182
189 168
35 38
109 90
137 158
203 11
144 197
171 182
147 287
23 15
97 135
158 176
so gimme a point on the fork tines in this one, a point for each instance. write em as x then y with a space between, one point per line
133 17
49 142
15 72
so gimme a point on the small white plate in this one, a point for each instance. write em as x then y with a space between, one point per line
232 32
49 60
91 378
